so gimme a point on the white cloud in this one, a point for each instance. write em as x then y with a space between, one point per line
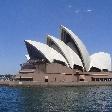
83 11
77 11
89 10
69 6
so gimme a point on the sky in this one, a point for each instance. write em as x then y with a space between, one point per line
21 20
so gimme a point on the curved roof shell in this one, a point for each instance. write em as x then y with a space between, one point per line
69 38
101 61
71 57
44 51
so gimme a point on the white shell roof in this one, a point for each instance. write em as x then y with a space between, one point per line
48 52
101 60
81 47
71 57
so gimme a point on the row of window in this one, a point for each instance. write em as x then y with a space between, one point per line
101 79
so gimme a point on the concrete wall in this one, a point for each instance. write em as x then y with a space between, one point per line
59 73
58 68
51 77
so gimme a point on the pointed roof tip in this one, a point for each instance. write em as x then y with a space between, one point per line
52 37
27 40
62 26
49 36
66 29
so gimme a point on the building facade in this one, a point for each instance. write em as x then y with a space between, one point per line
64 60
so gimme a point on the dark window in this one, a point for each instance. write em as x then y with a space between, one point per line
25 79
68 74
81 79
94 69
92 78
60 62
78 67
46 80
97 79
105 79
101 79
105 70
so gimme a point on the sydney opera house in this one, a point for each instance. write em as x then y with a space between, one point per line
64 60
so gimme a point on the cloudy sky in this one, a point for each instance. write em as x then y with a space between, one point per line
91 20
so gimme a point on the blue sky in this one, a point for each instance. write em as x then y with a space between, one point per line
91 20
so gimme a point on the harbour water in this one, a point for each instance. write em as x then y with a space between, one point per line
56 99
